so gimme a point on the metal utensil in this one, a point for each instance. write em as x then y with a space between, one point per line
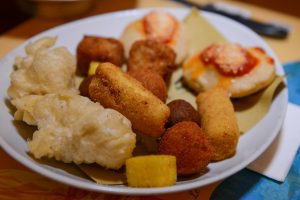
262 28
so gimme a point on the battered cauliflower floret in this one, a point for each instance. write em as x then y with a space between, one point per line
43 70
72 128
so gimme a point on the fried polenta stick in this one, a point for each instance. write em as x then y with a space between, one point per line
219 122
115 89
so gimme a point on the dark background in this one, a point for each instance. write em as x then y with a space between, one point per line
11 15
291 7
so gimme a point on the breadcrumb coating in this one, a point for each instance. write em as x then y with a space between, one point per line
188 143
219 122
115 89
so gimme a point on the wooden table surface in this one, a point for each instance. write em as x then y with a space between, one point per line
286 49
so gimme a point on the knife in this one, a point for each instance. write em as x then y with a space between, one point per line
265 29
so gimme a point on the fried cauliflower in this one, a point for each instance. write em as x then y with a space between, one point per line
72 128
43 70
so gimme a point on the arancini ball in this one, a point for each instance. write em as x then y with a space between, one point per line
188 143
151 81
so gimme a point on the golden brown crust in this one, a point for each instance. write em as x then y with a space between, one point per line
187 142
94 48
219 122
152 55
151 81
84 86
115 89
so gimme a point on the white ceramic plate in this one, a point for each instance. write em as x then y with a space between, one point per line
250 145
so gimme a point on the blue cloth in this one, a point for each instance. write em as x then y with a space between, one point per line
249 185
293 77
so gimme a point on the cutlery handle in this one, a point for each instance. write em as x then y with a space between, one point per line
259 27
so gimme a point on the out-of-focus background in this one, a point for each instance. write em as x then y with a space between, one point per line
291 7
13 12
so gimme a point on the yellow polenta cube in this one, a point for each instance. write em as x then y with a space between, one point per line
92 68
151 171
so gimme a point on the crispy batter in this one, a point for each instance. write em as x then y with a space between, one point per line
219 122
152 55
43 70
116 89
151 81
72 128
188 143
94 48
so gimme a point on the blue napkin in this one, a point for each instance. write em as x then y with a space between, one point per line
293 77
249 185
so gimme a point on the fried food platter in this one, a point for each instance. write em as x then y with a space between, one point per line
250 146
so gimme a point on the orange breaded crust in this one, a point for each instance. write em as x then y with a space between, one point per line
219 122
84 86
188 143
115 89
153 55
102 49
151 81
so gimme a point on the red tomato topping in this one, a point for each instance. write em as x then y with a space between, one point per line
229 59
160 26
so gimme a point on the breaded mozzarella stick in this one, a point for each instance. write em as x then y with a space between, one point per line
117 90
219 122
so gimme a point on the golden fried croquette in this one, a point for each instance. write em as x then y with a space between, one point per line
188 143
181 110
151 81
219 122
118 90
94 48
152 55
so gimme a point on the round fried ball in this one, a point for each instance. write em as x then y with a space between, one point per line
187 142
152 55
151 81
84 86
181 110
94 48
